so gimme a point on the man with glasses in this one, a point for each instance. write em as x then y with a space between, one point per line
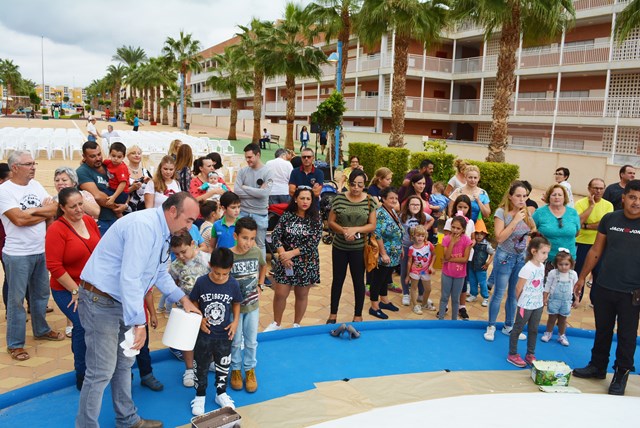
307 175
25 207
591 210
613 192
253 186
126 263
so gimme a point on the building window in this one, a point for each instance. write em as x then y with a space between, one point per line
562 143
369 94
532 95
574 94
527 141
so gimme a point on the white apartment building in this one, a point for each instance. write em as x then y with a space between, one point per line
579 93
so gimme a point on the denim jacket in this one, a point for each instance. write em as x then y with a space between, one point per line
481 252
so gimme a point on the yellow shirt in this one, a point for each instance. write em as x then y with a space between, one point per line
599 210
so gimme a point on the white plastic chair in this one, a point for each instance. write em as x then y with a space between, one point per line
226 147
59 143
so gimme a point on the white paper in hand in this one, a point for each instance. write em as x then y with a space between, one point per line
127 344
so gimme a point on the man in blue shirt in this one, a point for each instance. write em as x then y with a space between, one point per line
306 175
92 177
131 258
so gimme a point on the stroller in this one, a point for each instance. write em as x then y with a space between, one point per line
275 211
328 193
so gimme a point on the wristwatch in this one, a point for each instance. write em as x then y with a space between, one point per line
141 325
74 292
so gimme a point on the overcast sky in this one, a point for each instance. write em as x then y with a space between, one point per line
80 37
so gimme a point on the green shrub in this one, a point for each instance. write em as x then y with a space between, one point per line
394 158
366 152
442 164
129 115
138 103
44 111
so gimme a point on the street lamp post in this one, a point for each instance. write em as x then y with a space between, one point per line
332 58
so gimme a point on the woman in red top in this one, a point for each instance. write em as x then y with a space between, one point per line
69 242
203 166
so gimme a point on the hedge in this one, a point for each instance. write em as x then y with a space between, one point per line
442 164
396 159
366 152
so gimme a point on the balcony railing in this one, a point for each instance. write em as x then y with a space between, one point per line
474 64
428 105
362 103
465 106
591 4
548 56
431 63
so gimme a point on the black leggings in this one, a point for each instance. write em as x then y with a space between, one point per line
382 277
355 260
208 349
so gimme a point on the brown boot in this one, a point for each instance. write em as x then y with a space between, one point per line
236 380
251 384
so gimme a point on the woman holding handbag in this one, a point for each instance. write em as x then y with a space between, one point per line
69 242
388 233
352 218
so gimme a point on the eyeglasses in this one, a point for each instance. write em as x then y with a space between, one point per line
357 184
28 164
559 222
165 254
559 173
306 157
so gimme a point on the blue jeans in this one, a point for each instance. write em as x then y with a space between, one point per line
78 347
102 319
263 224
477 278
26 273
91 138
104 225
506 267
403 274
247 331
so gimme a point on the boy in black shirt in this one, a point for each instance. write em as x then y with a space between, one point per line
217 295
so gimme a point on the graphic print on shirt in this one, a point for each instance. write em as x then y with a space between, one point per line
421 258
246 272
214 313
30 200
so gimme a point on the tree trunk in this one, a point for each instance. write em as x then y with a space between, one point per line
343 36
258 77
157 107
291 110
398 95
505 80
152 100
330 156
233 120
113 99
118 88
175 115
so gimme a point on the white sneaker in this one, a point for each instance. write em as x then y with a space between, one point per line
406 300
295 325
471 298
546 336
272 327
485 303
429 302
563 340
429 306
223 400
189 378
417 309
490 333
197 406
507 331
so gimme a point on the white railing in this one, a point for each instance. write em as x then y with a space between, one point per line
363 104
591 4
548 56
465 106
429 105
629 50
430 63
628 107
468 65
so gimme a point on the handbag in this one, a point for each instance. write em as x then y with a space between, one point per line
371 249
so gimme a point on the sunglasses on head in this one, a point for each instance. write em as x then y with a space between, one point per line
559 222
357 184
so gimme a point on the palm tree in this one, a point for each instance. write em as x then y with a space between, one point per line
536 20
115 77
628 20
408 19
169 97
333 18
232 72
131 57
257 41
184 54
293 58
10 77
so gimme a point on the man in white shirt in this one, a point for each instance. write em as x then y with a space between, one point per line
280 169
24 208
108 134
266 137
91 130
